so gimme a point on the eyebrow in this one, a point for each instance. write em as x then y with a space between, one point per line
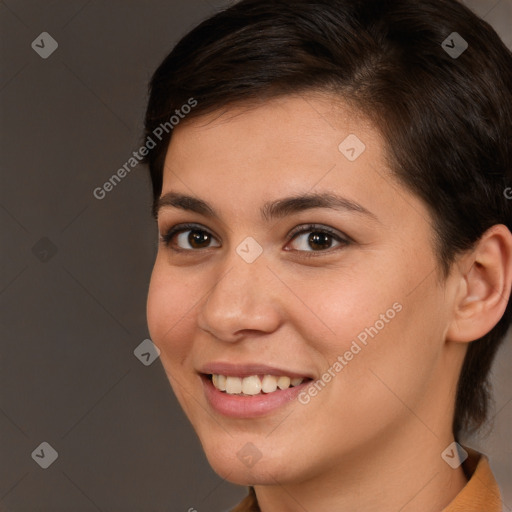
271 210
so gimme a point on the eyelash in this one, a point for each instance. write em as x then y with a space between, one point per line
343 240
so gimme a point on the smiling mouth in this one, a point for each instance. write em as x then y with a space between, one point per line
254 384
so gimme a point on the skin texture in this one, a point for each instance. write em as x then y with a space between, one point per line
372 438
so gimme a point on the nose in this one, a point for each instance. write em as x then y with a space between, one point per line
242 301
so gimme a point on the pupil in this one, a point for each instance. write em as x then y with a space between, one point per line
319 241
198 239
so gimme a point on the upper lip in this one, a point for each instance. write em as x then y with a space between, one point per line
246 370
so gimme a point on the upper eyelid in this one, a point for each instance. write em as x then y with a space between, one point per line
306 228
179 228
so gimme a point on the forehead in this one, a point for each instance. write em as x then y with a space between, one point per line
289 138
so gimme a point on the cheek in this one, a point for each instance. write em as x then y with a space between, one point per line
170 305
390 342
342 303
375 320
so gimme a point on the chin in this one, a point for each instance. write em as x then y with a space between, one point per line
239 474
241 463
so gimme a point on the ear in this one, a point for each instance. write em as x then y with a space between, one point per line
483 280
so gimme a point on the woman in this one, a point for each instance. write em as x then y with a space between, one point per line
335 257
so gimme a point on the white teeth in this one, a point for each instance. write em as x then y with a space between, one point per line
283 382
269 384
252 385
219 381
233 385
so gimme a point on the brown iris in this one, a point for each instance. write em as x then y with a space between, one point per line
318 241
199 239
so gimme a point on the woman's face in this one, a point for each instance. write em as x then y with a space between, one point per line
339 288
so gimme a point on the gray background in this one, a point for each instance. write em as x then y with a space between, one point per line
75 269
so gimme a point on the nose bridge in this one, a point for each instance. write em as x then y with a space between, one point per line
239 299
240 286
246 269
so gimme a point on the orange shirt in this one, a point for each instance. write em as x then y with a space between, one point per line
480 494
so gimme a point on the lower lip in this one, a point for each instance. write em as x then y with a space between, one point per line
236 406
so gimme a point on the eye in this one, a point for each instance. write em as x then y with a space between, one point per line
188 237
315 238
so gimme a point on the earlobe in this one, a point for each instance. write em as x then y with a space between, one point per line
484 286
